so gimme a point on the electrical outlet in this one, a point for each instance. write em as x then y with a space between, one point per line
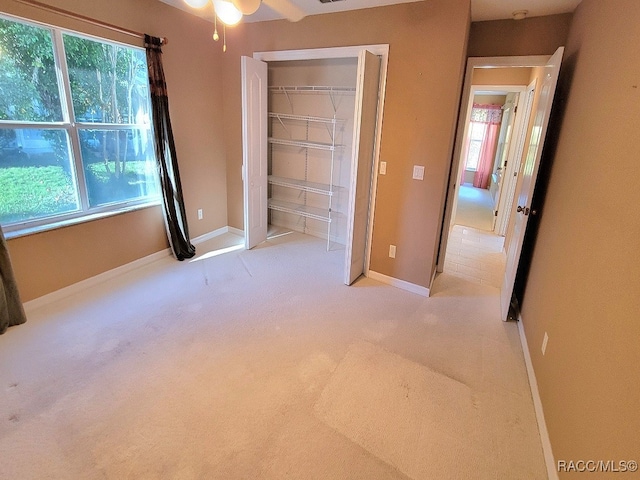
392 251
199 214
544 342
418 172
383 168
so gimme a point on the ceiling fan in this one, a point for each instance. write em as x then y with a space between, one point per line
231 11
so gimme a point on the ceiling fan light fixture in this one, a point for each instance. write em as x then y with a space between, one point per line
196 3
227 12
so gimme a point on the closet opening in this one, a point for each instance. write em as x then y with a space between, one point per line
311 136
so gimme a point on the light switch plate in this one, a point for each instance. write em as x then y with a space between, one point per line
418 172
383 168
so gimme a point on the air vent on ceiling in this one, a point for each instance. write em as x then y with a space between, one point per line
330 1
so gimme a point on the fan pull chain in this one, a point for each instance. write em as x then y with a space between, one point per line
216 37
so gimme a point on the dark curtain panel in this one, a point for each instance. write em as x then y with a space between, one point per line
11 311
174 211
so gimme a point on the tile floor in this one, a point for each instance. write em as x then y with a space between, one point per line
475 255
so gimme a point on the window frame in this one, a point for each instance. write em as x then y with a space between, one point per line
472 140
72 128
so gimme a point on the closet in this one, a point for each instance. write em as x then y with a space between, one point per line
309 141
311 105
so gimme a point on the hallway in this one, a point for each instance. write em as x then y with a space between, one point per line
474 252
475 255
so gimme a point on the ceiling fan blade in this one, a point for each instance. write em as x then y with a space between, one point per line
287 9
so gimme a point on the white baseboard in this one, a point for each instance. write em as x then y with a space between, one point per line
552 471
236 231
395 282
39 302
216 233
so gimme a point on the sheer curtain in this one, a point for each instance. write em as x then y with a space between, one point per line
173 202
489 116
11 310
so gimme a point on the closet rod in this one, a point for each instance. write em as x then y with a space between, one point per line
84 18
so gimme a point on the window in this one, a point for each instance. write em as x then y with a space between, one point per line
476 138
75 134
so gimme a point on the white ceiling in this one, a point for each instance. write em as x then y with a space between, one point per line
480 9
499 9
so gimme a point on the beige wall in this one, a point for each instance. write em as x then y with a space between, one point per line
532 36
427 51
48 261
501 76
584 284
490 99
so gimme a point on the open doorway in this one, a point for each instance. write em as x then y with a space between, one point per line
490 146
487 143
518 176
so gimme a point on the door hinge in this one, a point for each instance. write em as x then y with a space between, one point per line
515 110
495 213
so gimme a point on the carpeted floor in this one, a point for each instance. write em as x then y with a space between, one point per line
261 365
475 208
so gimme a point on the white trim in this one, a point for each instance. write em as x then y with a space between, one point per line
321 53
236 231
64 292
78 287
395 282
19 230
215 233
492 62
552 472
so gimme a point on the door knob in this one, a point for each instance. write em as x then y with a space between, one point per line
523 210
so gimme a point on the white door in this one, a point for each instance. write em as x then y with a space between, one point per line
364 131
254 150
528 175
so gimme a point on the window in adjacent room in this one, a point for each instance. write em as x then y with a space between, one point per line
75 134
476 138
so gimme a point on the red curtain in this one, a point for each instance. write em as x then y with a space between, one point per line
487 154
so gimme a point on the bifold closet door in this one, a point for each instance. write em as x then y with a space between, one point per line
364 130
254 150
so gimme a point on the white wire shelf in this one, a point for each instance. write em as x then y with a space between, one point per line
305 118
312 89
305 144
312 187
302 210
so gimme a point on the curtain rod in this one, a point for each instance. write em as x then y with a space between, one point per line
84 18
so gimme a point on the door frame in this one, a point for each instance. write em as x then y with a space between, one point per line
382 51
452 192
517 151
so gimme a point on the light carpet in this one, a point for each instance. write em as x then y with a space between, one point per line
261 364
474 208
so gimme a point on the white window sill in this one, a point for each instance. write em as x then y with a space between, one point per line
31 230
